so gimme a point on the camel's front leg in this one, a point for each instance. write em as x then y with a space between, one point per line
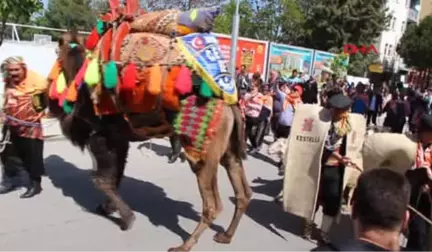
205 175
242 191
108 174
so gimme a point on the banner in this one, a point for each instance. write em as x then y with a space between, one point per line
251 53
285 58
321 60
202 50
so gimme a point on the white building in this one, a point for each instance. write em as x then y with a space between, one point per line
402 12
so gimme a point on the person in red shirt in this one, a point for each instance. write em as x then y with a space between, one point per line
23 123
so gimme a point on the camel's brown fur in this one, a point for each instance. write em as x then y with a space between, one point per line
109 151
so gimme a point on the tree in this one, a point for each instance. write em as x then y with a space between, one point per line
335 23
224 22
13 10
71 14
415 46
281 21
339 65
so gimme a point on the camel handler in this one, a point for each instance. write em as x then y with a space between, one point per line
324 142
23 109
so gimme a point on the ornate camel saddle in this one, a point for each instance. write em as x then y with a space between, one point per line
142 64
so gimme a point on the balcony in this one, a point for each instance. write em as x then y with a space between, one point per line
413 15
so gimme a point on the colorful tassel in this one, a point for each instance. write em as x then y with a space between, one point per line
92 40
72 93
183 83
92 76
61 83
55 71
61 98
100 27
155 83
205 90
79 78
110 75
129 78
68 107
53 95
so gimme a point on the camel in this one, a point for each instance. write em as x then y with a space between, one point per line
107 138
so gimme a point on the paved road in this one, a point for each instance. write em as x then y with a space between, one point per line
164 197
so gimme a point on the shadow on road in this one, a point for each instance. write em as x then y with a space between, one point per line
160 150
271 215
143 197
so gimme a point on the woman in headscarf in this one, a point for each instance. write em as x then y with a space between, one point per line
396 111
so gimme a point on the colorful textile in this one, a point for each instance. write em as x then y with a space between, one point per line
169 22
162 22
19 106
199 20
202 52
197 125
144 49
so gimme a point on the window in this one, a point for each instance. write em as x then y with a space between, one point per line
389 52
403 27
385 49
393 23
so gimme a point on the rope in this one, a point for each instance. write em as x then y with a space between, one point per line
5 141
420 214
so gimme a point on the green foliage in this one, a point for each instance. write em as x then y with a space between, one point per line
415 46
14 10
339 65
359 63
274 20
224 22
335 23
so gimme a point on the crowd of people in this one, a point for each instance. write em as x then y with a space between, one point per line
401 107
381 197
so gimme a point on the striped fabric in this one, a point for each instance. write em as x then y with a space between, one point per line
253 104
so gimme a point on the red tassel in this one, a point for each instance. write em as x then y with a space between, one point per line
183 83
129 77
92 40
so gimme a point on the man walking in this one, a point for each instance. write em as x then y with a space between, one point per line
375 106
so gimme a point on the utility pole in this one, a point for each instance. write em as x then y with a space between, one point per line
234 38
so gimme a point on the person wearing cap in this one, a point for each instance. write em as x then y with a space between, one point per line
333 162
420 177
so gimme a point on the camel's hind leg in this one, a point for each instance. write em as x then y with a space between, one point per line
206 172
242 191
107 156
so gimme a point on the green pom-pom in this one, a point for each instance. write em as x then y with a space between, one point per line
205 90
67 107
100 27
110 75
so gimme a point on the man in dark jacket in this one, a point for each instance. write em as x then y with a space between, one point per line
375 106
310 91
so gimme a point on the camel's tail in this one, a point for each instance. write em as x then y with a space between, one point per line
238 137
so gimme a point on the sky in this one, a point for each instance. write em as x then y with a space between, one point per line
45 3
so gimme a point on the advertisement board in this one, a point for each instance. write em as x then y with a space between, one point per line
251 53
321 60
286 58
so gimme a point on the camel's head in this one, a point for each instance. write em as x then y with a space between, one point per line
71 52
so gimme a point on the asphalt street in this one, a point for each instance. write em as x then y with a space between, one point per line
164 197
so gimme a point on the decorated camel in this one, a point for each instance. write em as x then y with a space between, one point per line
144 75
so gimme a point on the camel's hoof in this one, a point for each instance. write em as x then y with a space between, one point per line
101 210
127 222
223 238
180 248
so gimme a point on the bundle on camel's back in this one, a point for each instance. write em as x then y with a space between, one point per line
133 72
